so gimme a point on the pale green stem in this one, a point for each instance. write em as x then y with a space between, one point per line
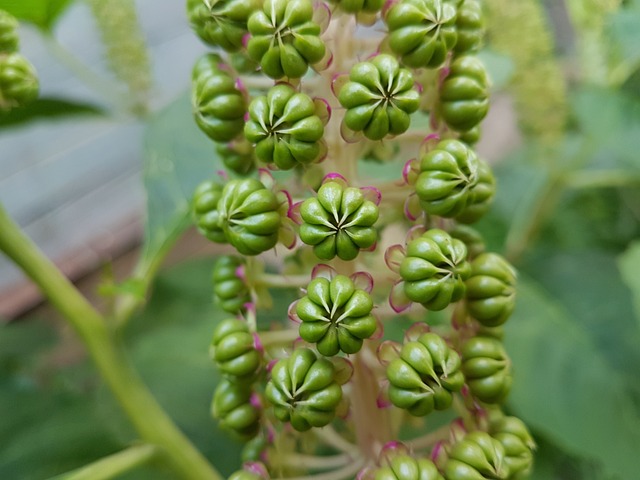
345 473
146 415
315 462
605 179
113 465
428 440
276 337
333 439
273 280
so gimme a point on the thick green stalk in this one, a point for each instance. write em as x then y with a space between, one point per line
149 419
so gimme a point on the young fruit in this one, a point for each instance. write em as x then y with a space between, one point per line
487 369
234 352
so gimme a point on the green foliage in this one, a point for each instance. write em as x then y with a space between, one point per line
47 109
42 13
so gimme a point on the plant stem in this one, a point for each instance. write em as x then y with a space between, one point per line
273 280
345 473
315 462
601 179
113 465
149 419
332 438
428 440
275 337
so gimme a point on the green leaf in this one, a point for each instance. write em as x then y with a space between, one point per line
629 265
564 387
46 108
42 13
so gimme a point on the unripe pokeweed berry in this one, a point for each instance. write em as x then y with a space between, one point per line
422 32
204 207
254 449
303 390
218 105
336 315
18 81
249 215
251 471
284 38
476 456
9 40
518 445
471 137
487 369
471 238
232 407
230 291
284 127
470 27
424 376
356 6
491 290
434 269
338 221
237 156
464 94
234 352
405 467
379 98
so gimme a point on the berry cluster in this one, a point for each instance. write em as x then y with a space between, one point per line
310 91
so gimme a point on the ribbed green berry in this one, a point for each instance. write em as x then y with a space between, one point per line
230 291
422 32
303 390
221 23
251 471
335 315
487 368
449 177
9 40
232 407
234 352
204 207
405 467
284 127
470 137
253 450
434 269
249 216
18 81
476 457
424 376
284 38
218 105
471 238
464 94
338 221
491 290
470 27
357 6
379 98
518 445
481 196
237 156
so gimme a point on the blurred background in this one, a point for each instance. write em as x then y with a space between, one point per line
99 170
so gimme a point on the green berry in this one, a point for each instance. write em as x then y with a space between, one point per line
470 27
18 81
335 315
487 369
464 94
218 105
471 238
204 207
284 38
424 376
518 445
253 450
233 408
476 457
303 390
284 127
251 471
422 32
237 156
480 197
405 467
471 137
9 40
338 221
434 269
230 291
249 215
357 6
379 98
234 352
491 290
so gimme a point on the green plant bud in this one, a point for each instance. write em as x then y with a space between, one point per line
204 207
481 196
487 368
424 376
470 27
230 291
464 94
233 349
233 408
335 315
449 177
491 290
357 6
249 216
253 450
471 238
218 105
379 98
237 156
284 127
338 221
284 38
221 23
434 269
405 467
18 81
476 457
251 471
471 137
518 445
303 390
9 40
422 32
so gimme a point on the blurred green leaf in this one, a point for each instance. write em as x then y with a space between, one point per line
629 265
623 31
42 13
564 387
46 108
